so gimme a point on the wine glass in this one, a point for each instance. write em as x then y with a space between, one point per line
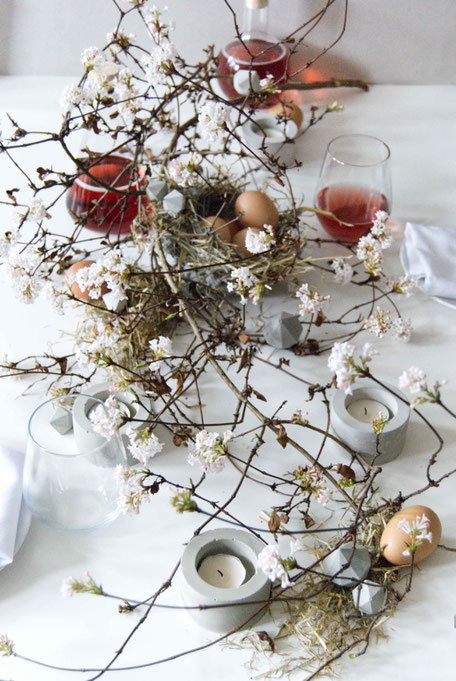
354 183
69 476
105 198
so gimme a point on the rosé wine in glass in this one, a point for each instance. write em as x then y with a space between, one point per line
354 183
103 210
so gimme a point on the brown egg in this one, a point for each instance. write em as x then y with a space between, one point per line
225 229
74 288
257 210
288 109
239 241
394 540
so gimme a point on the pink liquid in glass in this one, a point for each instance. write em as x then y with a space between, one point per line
354 204
105 211
268 59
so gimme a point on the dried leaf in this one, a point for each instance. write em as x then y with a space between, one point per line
244 338
274 522
259 395
346 471
264 636
244 360
282 438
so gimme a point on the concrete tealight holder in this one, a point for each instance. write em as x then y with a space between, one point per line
236 551
264 133
359 434
82 426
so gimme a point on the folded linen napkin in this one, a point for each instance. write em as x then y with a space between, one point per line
14 516
429 256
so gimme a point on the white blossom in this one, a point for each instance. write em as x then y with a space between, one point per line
158 64
36 211
402 329
131 492
417 531
22 269
381 231
245 284
405 285
212 119
296 545
343 272
341 361
270 562
182 172
379 322
92 57
367 353
260 242
414 380
71 585
54 296
111 271
107 418
311 301
161 348
6 645
209 451
143 445
324 495
127 96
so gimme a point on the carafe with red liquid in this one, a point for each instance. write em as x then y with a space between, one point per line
90 200
255 51
354 183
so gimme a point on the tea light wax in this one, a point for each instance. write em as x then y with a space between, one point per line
367 410
222 570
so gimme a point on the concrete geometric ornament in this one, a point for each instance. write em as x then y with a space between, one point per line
369 597
347 565
282 330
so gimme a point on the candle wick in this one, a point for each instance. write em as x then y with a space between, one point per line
220 572
365 411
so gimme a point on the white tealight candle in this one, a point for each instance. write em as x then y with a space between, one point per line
222 570
367 410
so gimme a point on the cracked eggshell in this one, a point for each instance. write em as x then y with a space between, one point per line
394 540
257 210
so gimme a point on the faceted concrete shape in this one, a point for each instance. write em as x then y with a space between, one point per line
245 80
174 202
369 597
347 566
113 303
62 421
157 189
282 330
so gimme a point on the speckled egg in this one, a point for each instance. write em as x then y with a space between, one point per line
74 288
239 241
394 539
223 228
255 209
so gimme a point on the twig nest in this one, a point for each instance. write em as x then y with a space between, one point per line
74 288
287 109
223 228
239 240
255 209
415 526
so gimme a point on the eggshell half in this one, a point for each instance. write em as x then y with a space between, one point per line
74 288
223 228
394 540
288 109
257 210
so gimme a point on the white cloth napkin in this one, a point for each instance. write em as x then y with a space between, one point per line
14 517
429 256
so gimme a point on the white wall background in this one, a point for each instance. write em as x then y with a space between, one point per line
387 41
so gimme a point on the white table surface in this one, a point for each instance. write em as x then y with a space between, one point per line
134 555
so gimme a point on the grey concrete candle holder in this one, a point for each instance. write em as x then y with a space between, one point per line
360 436
255 135
83 431
237 604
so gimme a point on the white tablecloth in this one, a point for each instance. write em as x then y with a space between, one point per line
133 556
